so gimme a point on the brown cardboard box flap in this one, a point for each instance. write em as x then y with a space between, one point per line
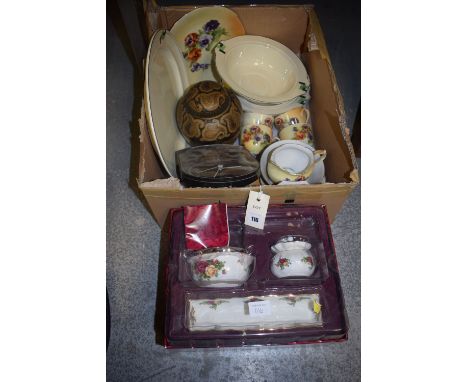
149 167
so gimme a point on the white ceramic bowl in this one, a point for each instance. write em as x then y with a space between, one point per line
261 70
220 267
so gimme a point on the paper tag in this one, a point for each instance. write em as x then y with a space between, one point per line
259 308
257 207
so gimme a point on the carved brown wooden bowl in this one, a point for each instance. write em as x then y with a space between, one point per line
208 113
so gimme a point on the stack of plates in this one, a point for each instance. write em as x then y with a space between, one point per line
252 107
216 166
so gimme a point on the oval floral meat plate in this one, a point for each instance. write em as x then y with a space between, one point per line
198 32
165 82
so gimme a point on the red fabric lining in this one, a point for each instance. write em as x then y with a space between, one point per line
206 226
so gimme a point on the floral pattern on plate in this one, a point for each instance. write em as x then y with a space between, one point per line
204 38
197 33
206 269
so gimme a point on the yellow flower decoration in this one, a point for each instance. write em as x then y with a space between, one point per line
317 307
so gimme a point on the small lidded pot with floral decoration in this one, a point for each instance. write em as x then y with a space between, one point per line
220 267
293 257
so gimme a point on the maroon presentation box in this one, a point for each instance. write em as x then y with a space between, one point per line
309 221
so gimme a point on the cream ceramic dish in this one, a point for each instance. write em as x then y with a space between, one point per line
197 32
261 70
165 82
220 267
317 177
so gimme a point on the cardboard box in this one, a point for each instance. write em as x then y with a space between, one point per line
298 28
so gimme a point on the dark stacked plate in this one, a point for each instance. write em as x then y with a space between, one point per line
216 166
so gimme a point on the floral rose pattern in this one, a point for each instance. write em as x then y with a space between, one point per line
279 122
307 260
203 39
256 135
206 269
213 303
291 300
268 121
283 262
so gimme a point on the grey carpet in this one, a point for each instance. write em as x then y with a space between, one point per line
132 262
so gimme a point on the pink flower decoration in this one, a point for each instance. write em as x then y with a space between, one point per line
200 266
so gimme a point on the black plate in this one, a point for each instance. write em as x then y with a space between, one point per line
216 166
